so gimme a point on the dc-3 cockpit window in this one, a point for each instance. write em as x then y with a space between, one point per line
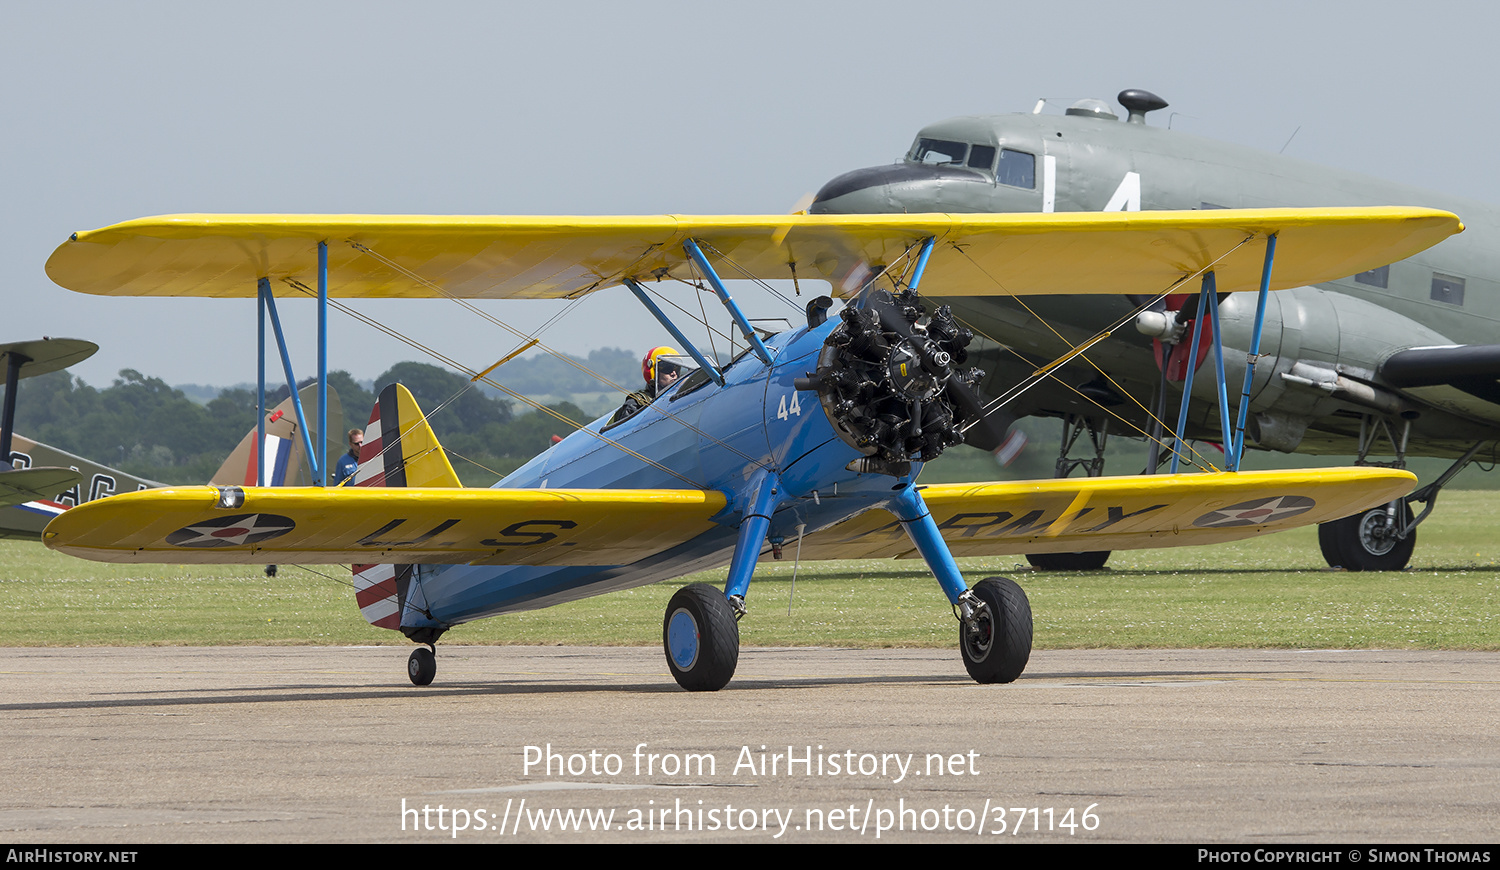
940 152
1017 169
982 157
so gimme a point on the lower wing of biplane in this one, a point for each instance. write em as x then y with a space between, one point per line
610 528
817 433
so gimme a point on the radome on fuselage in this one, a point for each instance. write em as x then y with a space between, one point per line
1329 345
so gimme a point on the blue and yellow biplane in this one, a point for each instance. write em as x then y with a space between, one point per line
814 436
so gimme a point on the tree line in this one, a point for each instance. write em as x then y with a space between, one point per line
144 426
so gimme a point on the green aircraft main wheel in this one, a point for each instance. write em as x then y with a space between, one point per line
1328 543
997 647
422 666
1092 560
701 638
1367 542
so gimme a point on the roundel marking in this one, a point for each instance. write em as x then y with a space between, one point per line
236 531
1257 512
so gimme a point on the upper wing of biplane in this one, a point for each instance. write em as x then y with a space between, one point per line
616 527
550 257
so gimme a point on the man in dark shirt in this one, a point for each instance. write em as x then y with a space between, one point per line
349 462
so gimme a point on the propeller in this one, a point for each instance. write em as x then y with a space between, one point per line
803 203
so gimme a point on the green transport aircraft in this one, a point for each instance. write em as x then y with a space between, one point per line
1389 364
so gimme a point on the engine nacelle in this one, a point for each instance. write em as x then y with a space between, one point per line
891 384
1320 350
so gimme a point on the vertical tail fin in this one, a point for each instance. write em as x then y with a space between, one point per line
400 449
286 462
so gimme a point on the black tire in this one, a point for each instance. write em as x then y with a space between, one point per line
421 667
1092 560
1328 543
1365 542
997 650
701 638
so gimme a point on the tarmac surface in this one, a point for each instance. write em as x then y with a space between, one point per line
305 744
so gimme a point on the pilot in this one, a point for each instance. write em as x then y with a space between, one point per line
349 462
659 375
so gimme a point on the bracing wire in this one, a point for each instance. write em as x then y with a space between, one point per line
439 289
458 366
1078 350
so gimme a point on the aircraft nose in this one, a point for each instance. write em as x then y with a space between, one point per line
898 187
862 187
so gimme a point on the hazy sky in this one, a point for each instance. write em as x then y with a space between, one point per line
114 111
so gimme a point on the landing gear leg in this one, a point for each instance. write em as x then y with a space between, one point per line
1073 426
1383 538
994 633
701 632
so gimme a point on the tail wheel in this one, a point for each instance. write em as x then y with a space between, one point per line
997 644
1092 560
1368 541
422 666
701 638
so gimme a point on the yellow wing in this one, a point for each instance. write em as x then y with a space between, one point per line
296 525
616 527
549 257
1117 513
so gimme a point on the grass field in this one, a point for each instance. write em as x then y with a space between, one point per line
1268 592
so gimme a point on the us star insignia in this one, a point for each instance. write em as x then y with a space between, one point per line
1257 512
235 531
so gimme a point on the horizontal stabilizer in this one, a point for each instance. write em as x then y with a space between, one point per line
29 484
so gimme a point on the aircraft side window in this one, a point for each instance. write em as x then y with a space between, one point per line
1382 278
940 151
982 157
1447 288
1017 169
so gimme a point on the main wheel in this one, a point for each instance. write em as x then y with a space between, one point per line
1367 541
1092 560
997 647
1328 543
701 638
422 666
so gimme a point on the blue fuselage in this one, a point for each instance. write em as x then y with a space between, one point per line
710 437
